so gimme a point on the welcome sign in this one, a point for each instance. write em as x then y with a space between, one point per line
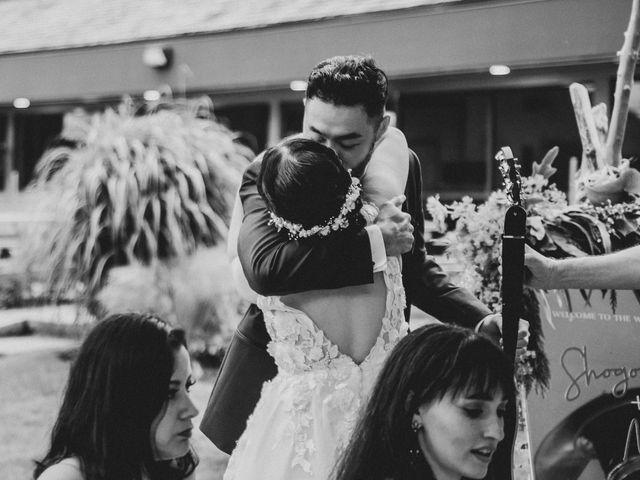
585 425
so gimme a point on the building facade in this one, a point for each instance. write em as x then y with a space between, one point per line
58 56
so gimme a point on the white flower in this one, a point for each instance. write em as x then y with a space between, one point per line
438 212
296 230
536 227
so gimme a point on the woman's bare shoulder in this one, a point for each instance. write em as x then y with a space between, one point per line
67 469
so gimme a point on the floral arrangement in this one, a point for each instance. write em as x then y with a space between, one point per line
553 227
476 242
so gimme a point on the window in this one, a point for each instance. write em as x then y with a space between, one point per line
35 133
456 135
292 113
250 121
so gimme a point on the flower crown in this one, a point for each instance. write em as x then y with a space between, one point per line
296 231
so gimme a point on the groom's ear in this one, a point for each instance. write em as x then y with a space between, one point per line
382 126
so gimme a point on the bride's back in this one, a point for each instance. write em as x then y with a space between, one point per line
350 317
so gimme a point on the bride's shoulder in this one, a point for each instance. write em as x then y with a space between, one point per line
66 469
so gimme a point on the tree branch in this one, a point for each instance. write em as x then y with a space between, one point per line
628 56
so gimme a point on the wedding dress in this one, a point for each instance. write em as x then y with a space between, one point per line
307 412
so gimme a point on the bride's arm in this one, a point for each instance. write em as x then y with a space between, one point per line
386 174
239 279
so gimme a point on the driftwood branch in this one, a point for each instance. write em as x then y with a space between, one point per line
592 148
628 57
601 121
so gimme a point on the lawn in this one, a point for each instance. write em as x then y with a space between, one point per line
31 386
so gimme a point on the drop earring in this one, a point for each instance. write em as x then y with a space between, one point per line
416 459
416 426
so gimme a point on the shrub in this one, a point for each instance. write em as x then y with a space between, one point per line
130 189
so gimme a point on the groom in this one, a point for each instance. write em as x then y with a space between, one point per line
344 109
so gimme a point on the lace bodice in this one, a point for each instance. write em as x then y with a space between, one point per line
298 345
313 374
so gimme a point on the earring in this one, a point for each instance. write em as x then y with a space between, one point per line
416 458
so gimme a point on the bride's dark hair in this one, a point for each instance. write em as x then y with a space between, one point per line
424 366
117 386
304 182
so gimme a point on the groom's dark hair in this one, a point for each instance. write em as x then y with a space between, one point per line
350 80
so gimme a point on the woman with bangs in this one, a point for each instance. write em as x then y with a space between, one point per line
436 411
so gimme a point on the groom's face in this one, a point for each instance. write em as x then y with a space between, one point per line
346 129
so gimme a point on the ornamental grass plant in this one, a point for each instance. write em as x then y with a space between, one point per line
133 194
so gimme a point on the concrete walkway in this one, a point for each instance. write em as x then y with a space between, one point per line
52 325
34 343
55 327
60 314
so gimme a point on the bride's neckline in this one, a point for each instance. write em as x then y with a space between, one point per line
385 321
326 339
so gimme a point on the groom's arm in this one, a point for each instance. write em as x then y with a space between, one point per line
427 286
275 265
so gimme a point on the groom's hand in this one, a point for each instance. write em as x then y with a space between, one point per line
396 228
491 325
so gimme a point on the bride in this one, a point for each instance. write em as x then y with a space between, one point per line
329 345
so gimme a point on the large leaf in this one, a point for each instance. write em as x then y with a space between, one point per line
562 238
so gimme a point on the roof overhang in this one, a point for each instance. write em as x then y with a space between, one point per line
463 38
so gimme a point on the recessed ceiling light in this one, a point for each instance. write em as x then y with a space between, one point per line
499 70
298 85
21 102
151 95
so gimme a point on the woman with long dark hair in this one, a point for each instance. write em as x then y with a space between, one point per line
126 412
328 344
436 411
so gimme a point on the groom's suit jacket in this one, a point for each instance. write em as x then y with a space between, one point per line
276 266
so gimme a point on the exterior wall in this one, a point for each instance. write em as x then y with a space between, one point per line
442 48
420 42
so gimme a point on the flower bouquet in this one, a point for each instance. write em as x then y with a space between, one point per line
476 245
